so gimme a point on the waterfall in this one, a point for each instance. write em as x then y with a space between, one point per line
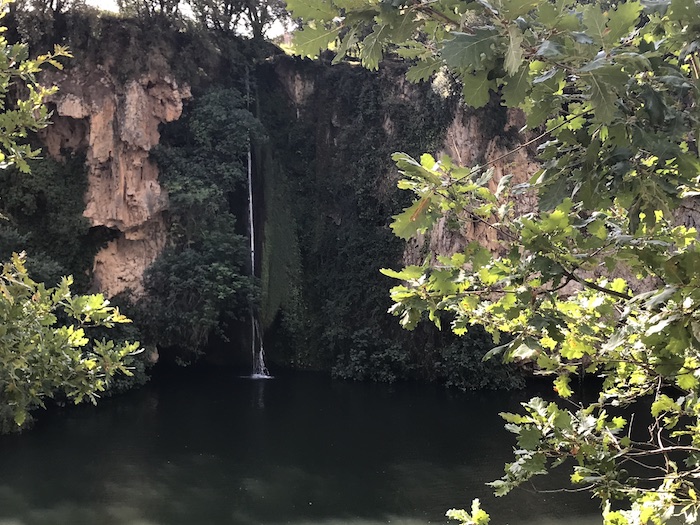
256 337
256 340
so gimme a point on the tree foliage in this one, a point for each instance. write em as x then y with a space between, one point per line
45 347
22 112
47 8
201 281
611 90
147 9
249 17
257 16
44 209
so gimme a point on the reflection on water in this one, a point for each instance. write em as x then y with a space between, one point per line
215 449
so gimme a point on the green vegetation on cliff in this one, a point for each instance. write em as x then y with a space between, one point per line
201 282
45 212
339 185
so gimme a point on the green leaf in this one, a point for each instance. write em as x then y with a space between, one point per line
475 89
470 52
622 20
535 464
597 229
503 183
516 87
512 9
514 53
573 349
423 70
20 417
557 16
514 418
416 219
549 49
619 422
664 404
348 41
372 47
561 386
349 5
686 381
403 25
553 193
320 10
414 169
603 99
427 161
683 10
413 49
477 255
529 438
310 41
406 274
477 516
595 20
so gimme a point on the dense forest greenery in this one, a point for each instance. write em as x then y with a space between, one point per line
44 209
201 281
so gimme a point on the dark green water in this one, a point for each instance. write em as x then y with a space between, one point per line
213 449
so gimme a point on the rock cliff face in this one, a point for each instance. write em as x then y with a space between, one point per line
472 137
117 126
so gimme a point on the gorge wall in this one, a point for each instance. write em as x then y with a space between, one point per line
342 125
117 126
325 185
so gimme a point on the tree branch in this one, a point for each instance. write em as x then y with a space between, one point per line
594 286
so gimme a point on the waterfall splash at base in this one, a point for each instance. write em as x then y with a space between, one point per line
259 368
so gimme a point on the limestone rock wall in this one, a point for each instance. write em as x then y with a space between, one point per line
117 126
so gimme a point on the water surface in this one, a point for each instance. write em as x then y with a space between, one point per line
211 448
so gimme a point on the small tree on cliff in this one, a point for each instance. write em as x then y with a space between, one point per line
257 16
40 356
612 90
147 9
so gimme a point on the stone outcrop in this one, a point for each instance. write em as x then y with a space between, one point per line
117 126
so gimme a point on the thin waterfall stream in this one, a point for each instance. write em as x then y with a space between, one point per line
256 336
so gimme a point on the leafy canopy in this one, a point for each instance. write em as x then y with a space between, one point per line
257 16
20 115
603 278
42 355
